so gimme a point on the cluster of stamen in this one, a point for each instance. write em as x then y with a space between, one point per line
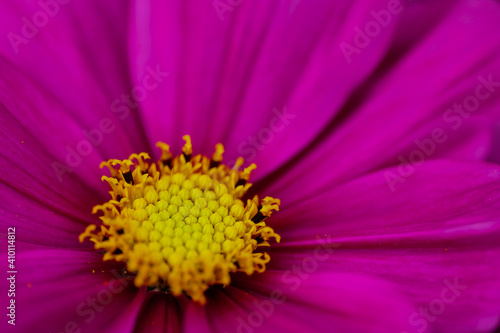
181 224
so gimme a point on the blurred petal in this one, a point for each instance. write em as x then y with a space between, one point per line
323 302
422 201
412 95
58 289
160 313
61 84
44 210
439 226
264 73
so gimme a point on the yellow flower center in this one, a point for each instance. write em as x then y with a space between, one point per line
181 224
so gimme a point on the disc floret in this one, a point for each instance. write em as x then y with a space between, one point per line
181 224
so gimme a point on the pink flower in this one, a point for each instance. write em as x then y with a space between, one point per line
370 120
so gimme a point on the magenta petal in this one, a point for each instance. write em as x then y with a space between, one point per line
454 289
413 94
160 313
57 287
322 302
229 80
430 202
196 319
62 83
494 154
439 226
44 210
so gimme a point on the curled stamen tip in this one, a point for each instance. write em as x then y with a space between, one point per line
139 156
239 162
188 147
250 168
162 145
219 150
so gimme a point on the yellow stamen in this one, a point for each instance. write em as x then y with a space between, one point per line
181 224
187 150
219 150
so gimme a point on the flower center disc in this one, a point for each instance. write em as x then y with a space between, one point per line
180 224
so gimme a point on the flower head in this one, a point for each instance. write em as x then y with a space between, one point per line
369 120
180 224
